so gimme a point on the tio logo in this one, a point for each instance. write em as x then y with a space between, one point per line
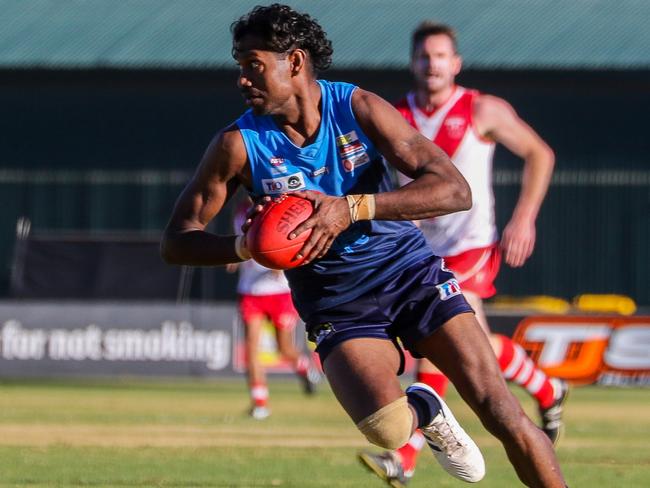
294 182
586 349
273 186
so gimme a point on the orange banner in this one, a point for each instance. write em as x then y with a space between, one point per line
590 349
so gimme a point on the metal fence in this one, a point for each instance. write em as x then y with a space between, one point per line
593 231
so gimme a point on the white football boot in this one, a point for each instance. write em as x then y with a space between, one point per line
552 423
452 447
260 413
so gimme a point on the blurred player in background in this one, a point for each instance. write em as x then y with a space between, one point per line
265 297
369 278
467 125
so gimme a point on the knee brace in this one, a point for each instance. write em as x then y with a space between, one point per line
390 426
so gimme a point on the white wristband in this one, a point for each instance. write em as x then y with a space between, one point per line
240 248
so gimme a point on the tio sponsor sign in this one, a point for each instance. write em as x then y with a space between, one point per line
590 349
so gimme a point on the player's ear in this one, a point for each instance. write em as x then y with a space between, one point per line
298 60
457 64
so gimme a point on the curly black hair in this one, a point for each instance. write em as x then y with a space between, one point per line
282 29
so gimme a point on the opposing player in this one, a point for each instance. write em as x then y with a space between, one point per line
467 125
369 276
264 296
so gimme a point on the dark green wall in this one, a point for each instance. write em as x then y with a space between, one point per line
592 236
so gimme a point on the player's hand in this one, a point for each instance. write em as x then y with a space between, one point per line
331 217
255 209
518 241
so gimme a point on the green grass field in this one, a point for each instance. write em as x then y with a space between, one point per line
196 434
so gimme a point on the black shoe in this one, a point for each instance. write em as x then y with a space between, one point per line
552 423
310 380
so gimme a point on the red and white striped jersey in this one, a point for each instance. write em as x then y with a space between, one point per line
452 128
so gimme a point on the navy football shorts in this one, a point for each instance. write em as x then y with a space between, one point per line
409 306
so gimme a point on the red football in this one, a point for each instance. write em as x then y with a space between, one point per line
267 238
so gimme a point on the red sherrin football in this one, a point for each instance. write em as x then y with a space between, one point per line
267 238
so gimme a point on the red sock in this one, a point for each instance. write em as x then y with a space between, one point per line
518 367
408 453
437 381
259 394
302 365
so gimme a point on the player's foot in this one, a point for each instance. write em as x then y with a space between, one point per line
260 413
386 465
310 380
552 423
452 447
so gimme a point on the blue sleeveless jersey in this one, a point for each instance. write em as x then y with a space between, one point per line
341 161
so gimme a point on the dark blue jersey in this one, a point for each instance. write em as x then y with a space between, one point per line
340 161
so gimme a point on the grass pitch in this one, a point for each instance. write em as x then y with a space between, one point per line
196 434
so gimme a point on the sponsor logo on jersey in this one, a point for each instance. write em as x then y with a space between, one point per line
278 165
590 349
351 151
279 170
448 289
455 126
320 171
346 138
295 181
276 161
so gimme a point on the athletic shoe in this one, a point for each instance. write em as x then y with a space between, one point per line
552 424
310 380
386 465
260 413
452 447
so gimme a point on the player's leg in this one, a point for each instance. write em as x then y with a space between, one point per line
517 367
254 319
406 456
460 348
362 374
285 318
257 383
426 372
476 270
287 348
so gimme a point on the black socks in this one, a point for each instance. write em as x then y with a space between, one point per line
425 405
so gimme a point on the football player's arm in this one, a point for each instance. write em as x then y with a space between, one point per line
497 120
222 169
437 188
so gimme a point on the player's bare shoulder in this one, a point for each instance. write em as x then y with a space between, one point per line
490 112
365 103
380 120
491 106
226 157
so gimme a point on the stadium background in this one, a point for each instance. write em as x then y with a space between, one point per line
106 108
109 105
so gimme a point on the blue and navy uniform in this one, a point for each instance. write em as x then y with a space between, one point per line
368 255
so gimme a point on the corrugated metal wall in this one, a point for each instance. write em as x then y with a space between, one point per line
592 235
